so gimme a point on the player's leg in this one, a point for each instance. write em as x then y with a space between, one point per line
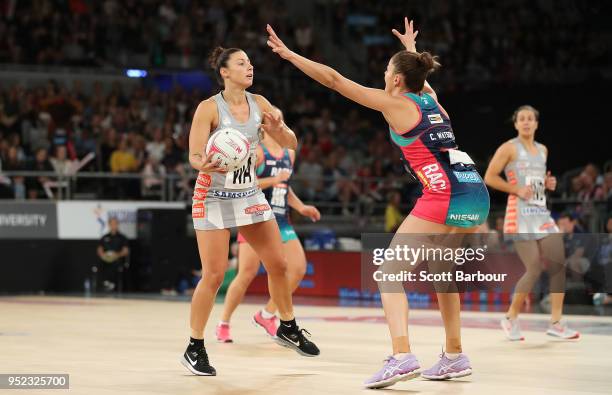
296 268
265 239
213 246
402 365
529 254
453 363
553 251
248 264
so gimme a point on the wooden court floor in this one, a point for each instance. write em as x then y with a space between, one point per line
119 346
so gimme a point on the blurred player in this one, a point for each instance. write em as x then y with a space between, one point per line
528 221
274 168
222 201
455 200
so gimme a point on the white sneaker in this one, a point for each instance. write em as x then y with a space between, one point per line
511 329
560 329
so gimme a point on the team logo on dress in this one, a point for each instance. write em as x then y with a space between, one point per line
198 210
203 180
200 193
257 209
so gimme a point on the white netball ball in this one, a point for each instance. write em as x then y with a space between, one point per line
229 148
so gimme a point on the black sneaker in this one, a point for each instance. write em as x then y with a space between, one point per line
297 341
196 361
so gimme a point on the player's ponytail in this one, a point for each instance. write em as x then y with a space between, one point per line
218 58
415 67
427 62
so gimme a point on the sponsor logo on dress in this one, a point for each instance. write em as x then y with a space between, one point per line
435 180
198 210
467 176
232 195
435 118
464 217
257 209
548 225
528 211
204 180
200 194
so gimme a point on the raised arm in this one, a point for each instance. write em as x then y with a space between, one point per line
198 137
376 99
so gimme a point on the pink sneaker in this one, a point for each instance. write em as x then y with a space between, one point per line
269 325
223 333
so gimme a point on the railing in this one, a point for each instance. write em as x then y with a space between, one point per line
176 187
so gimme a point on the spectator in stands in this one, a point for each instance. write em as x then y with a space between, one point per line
60 162
608 190
157 147
17 183
113 251
310 175
393 215
10 110
108 146
36 185
604 294
589 190
123 161
580 249
153 177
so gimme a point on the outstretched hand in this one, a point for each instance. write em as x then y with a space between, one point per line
272 123
408 39
277 44
311 212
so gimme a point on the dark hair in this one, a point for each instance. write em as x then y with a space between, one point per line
218 58
415 68
525 107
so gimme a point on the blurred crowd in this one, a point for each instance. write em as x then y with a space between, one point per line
504 42
148 33
344 157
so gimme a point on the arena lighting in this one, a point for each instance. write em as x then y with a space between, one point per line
136 73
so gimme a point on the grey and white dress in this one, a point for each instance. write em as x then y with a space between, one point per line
233 199
528 219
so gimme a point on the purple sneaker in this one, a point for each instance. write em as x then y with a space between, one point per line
394 370
449 368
